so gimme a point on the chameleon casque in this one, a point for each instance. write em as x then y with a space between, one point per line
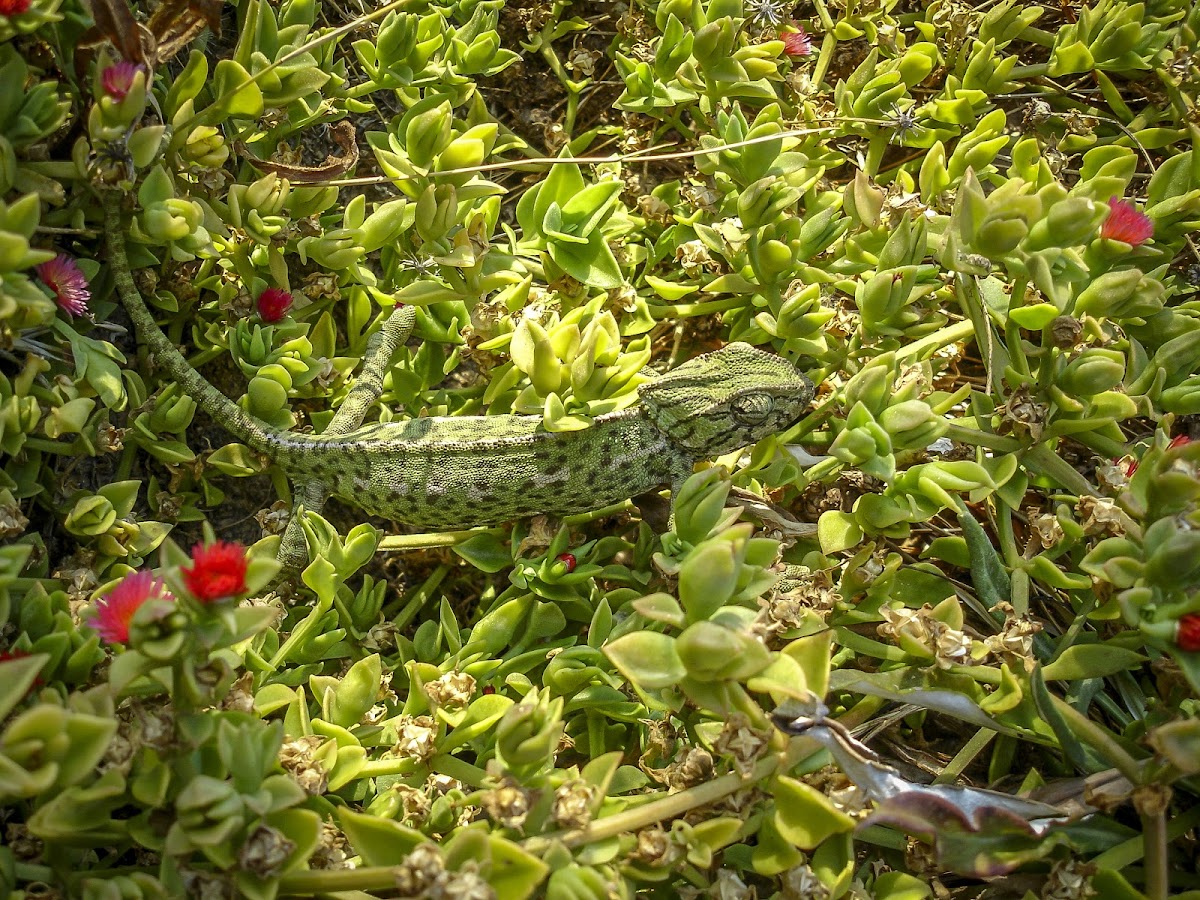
458 471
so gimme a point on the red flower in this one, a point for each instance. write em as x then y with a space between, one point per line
63 276
273 304
13 7
218 571
796 43
568 561
1178 441
1125 223
1187 636
114 611
117 79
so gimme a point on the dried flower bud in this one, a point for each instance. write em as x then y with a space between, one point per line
1065 332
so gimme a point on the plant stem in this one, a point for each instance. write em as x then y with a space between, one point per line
691 310
675 805
1154 852
396 543
1099 739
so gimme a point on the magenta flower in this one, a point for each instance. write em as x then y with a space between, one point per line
114 611
117 79
63 276
1125 223
273 305
796 43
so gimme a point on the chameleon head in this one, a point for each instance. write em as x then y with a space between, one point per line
727 399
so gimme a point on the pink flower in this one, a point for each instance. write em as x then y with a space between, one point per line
13 7
273 304
1125 223
63 276
218 571
117 79
796 43
115 610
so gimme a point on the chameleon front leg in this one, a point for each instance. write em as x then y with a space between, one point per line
310 494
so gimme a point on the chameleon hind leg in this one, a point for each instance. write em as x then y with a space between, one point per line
366 390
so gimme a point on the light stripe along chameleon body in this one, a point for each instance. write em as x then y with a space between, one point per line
459 471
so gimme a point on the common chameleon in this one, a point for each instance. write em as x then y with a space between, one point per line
456 471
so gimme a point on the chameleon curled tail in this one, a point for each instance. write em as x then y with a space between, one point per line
223 410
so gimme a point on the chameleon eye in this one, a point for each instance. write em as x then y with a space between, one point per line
752 409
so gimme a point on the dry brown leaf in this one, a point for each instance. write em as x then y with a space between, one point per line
334 166
176 24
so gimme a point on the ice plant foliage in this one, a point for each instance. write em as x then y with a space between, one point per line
117 79
115 610
796 43
217 571
1125 223
273 304
67 282
547 292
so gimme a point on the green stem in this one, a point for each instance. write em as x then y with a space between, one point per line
828 44
1154 851
420 597
977 438
388 766
398 543
1128 852
30 872
966 756
1020 73
691 310
943 337
674 805
586 517
459 770
1099 739
1046 462
48 446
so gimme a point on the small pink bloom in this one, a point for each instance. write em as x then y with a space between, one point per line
117 79
796 43
115 610
273 304
218 571
1125 223
568 561
13 7
63 276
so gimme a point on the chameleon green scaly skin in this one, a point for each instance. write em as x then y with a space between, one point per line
458 471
